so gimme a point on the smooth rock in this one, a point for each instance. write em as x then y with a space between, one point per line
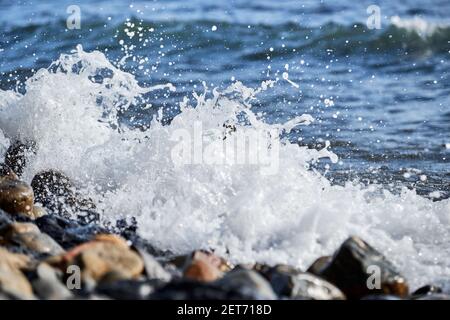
186 289
428 289
351 267
203 266
105 254
294 284
56 192
248 283
16 196
48 284
309 286
12 281
317 266
201 270
29 236
129 289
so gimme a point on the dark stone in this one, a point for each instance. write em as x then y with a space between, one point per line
7 171
349 270
17 154
248 283
294 284
318 265
262 269
279 277
129 289
68 233
185 289
428 289
27 236
56 192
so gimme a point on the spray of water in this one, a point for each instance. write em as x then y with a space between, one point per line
290 216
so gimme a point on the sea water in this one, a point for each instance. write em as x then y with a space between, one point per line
357 121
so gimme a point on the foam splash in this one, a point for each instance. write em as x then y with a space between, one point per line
420 26
292 216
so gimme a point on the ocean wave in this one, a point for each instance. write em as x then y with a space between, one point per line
420 26
414 36
290 216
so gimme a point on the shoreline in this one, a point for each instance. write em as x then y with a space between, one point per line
52 256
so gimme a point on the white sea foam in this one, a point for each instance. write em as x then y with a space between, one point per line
292 216
418 25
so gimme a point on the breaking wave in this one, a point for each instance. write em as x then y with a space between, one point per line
292 215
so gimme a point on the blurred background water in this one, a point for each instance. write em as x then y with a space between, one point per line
380 96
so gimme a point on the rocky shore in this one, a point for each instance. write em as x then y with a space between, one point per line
48 253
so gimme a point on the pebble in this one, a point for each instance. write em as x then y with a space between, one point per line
295 284
349 271
186 289
248 283
129 289
428 289
13 283
16 197
103 255
28 235
56 192
17 154
204 266
320 263
48 284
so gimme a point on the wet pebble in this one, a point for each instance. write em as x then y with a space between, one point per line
102 256
28 236
248 283
204 266
129 289
13 282
16 197
351 267
48 284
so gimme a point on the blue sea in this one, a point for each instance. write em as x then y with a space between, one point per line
379 97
